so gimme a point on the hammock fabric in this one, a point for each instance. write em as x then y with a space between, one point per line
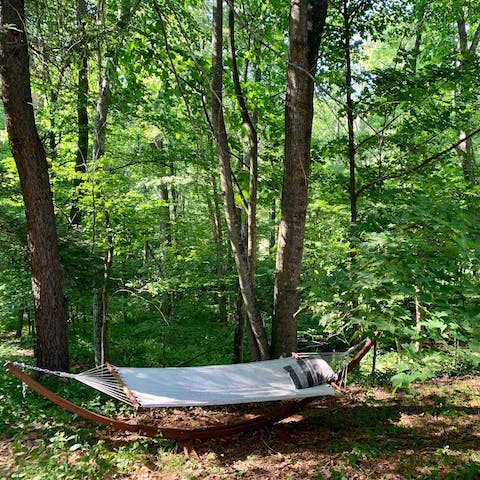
269 380
212 385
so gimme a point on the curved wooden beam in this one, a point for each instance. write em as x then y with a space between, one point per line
358 357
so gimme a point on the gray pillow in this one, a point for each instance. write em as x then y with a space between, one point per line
310 372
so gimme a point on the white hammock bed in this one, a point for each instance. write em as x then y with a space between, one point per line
266 381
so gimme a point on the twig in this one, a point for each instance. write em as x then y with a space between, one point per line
417 167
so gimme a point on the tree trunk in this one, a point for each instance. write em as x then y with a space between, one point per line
466 153
465 150
106 76
350 116
250 162
307 19
239 329
100 297
165 235
101 114
273 218
100 330
418 319
217 233
252 148
82 105
233 222
21 314
29 155
352 152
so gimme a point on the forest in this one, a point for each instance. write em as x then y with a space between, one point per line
201 183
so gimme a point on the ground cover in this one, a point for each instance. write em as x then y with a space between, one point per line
428 431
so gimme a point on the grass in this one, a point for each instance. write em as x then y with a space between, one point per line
424 431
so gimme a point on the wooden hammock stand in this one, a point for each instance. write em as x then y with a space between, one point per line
177 433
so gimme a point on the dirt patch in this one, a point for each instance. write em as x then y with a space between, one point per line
431 431
195 417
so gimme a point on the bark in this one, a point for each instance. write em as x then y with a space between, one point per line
31 324
147 252
350 116
465 149
164 214
101 114
415 53
100 294
105 81
250 162
21 314
50 316
273 218
418 319
174 199
307 19
82 104
224 157
217 233
165 235
466 153
252 148
239 329
82 89
100 330
352 150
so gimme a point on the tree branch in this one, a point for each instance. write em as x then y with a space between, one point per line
475 40
417 167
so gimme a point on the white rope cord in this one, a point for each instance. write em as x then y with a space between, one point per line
99 378
114 391
102 379
343 376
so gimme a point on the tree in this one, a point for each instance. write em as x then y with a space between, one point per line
82 103
465 150
107 63
233 222
307 20
51 330
250 163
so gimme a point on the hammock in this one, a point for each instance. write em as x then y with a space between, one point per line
272 380
200 386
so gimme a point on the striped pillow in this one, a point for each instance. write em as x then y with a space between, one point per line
310 372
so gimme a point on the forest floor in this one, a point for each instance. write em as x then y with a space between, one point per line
428 431
431 431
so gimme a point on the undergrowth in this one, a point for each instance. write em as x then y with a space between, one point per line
41 441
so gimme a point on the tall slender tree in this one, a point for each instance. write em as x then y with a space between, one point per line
250 162
51 329
82 103
306 23
224 154
466 150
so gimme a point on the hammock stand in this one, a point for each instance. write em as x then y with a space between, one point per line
184 434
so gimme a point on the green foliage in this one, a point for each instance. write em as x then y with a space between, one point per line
409 267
